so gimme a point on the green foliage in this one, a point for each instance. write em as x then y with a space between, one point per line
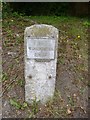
41 8
35 106
71 101
20 82
17 14
36 8
17 104
86 23
4 77
6 10
14 103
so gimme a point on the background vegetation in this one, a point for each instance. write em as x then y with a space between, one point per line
51 8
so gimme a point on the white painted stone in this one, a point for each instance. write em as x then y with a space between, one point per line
40 44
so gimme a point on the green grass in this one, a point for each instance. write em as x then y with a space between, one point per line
14 102
4 77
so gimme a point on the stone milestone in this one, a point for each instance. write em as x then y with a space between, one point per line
40 49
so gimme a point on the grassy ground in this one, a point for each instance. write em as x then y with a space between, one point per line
71 94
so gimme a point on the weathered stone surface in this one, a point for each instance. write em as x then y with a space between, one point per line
40 62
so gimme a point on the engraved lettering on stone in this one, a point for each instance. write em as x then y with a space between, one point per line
40 48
